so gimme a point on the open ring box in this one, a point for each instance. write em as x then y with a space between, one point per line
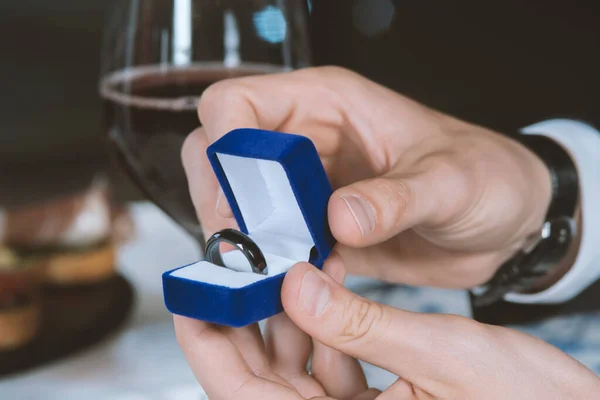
278 191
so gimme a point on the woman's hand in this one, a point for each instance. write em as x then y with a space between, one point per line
422 198
240 364
436 356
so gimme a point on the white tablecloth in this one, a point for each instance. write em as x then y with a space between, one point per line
142 361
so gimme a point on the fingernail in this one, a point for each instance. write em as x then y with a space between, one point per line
363 213
314 294
222 206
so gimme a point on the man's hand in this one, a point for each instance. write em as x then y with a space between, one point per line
435 356
440 357
422 198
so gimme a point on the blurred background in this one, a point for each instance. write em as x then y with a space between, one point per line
51 63
50 70
102 328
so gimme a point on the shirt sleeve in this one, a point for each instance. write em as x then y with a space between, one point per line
582 142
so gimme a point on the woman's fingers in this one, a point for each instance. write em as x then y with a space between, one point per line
404 390
214 359
204 188
370 394
334 373
288 350
221 369
340 375
249 342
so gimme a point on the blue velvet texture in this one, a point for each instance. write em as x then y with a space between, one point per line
243 306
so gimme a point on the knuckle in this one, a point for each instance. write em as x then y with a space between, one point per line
453 171
330 72
457 177
214 91
397 197
222 92
455 182
404 194
362 319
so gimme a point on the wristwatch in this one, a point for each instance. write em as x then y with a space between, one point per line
521 272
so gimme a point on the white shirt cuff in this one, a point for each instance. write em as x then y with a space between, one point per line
583 143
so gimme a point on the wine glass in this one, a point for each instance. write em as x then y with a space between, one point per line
158 58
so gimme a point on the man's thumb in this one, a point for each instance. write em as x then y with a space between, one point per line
374 210
411 345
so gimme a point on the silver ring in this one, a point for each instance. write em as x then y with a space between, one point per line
243 243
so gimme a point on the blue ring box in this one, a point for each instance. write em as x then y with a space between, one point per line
278 191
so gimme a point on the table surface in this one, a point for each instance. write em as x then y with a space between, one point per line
144 362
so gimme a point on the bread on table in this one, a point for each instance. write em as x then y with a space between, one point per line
19 300
73 238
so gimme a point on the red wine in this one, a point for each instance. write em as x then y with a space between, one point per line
149 111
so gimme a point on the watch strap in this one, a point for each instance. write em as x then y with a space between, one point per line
522 271
563 173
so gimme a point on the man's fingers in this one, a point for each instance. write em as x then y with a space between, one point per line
412 260
418 347
374 210
290 101
330 105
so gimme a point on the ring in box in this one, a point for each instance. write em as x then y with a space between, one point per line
278 191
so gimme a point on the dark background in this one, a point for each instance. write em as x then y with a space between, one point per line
503 64
50 124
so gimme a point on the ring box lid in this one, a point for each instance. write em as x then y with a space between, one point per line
277 189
